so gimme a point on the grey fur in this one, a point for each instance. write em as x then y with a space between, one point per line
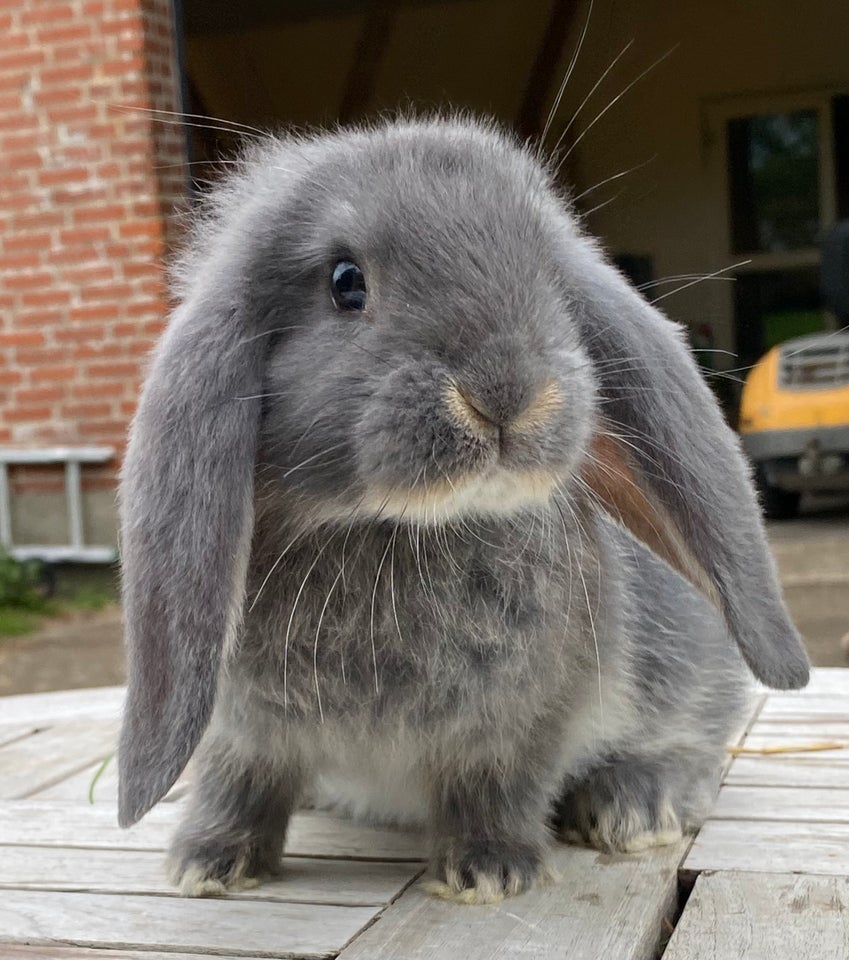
419 614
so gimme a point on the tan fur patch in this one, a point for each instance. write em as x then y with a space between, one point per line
546 403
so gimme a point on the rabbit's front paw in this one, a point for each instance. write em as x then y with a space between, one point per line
487 871
207 871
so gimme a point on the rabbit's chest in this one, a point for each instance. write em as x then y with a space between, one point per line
420 627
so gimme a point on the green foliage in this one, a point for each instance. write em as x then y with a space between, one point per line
20 584
89 598
15 622
24 601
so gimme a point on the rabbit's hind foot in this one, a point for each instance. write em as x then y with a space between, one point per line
632 804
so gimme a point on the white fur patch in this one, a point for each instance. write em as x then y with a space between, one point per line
644 841
377 782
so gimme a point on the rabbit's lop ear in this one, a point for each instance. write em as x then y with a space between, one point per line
692 496
187 515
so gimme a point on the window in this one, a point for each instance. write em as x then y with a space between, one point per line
774 179
782 189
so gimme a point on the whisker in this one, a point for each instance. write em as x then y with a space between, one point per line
371 619
315 456
616 176
604 203
555 106
595 87
618 97
707 276
130 108
298 596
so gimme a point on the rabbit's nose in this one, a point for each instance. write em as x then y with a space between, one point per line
471 411
515 412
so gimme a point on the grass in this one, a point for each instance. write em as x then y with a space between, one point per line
15 622
88 598
25 606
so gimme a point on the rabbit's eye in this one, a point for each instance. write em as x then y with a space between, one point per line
348 286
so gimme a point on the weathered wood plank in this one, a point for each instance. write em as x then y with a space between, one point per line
792 731
806 709
794 804
824 681
342 882
790 770
54 823
240 927
766 846
77 787
54 753
41 708
763 917
14 951
602 907
10 732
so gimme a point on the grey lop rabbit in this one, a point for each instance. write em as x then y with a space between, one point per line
429 515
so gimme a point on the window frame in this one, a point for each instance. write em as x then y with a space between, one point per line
720 112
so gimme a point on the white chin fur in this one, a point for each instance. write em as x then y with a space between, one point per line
496 494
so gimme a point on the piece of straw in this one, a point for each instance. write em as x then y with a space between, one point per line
788 748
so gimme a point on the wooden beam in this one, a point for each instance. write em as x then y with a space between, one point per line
368 56
540 85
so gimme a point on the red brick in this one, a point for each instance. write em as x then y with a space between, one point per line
80 334
37 318
27 280
100 311
86 411
85 235
24 59
116 292
112 370
98 351
142 347
49 13
96 271
49 178
39 357
56 35
117 68
8 376
98 214
40 374
69 75
26 414
148 228
20 339
26 241
63 255
33 221
19 261
106 428
46 298
43 395
12 142
82 113
86 391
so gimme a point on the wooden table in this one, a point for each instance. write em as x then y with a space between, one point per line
765 878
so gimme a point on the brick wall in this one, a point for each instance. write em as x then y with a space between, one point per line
87 183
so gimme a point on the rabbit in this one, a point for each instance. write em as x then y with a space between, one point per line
428 513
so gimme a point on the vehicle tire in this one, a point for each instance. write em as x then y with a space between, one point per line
777 504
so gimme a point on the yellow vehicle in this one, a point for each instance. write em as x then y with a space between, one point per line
794 420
